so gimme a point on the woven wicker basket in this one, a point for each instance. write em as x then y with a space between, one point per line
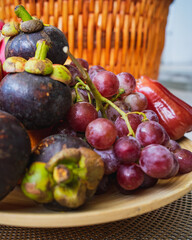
120 35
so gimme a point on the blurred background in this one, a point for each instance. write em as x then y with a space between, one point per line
176 61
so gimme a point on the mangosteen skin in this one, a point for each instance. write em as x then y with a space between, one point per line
47 148
15 150
24 44
53 144
37 101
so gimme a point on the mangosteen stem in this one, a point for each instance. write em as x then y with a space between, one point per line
22 13
42 48
62 174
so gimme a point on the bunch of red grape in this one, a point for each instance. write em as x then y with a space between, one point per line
137 150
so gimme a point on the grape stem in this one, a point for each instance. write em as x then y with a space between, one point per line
98 97
85 87
140 113
96 94
121 91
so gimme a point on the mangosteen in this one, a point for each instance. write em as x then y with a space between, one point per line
64 173
23 44
33 96
15 150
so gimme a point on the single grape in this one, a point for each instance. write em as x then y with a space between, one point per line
175 169
111 163
156 161
80 115
130 176
136 102
150 132
94 70
184 158
74 73
103 186
122 130
173 146
151 115
106 83
83 63
101 133
84 95
127 149
112 114
127 82
148 181
166 139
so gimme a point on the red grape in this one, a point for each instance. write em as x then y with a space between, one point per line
94 70
166 138
184 158
127 149
175 169
110 161
103 186
101 133
112 114
106 83
148 181
156 161
173 146
122 130
83 63
130 176
74 73
151 115
80 115
127 82
150 132
136 102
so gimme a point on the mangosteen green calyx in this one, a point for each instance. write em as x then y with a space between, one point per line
14 64
37 101
66 180
15 150
10 29
40 64
31 30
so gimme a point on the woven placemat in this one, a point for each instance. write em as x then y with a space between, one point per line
173 221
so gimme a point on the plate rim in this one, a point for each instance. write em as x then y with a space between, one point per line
47 219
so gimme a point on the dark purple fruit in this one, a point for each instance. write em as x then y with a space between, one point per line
24 44
64 173
15 149
37 101
54 144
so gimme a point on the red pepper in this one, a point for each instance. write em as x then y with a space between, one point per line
174 114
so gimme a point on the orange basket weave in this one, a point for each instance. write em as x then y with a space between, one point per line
120 35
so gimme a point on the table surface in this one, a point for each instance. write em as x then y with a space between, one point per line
174 221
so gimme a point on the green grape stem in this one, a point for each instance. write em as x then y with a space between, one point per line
140 113
98 97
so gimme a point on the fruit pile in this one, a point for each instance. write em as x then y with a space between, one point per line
124 132
91 126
